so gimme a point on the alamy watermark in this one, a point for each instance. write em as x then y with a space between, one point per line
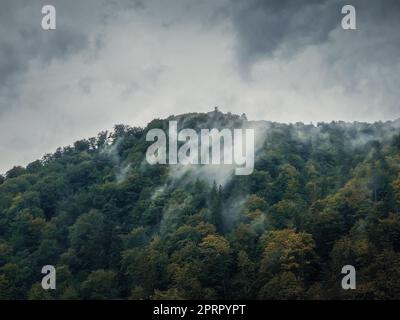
213 147
49 280
348 21
49 18
349 280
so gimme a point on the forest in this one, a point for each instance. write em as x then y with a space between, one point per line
321 196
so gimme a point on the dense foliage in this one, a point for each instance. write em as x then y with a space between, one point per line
320 197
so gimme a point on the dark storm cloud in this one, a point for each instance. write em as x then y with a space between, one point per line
265 26
23 40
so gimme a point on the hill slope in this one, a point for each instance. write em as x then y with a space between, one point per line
320 197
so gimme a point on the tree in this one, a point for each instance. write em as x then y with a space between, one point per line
100 284
285 286
37 293
285 214
385 234
396 191
215 257
384 275
146 267
243 282
5 290
216 206
287 251
15 172
87 240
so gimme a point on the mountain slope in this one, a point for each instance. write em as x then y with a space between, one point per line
320 197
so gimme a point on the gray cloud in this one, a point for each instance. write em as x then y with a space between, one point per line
265 27
362 66
22 39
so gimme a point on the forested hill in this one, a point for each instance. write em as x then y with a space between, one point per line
320 197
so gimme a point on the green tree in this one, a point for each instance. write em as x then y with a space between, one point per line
100 284
87 239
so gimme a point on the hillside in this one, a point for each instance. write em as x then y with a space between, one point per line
320 197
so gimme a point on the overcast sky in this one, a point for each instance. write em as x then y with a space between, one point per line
121 61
